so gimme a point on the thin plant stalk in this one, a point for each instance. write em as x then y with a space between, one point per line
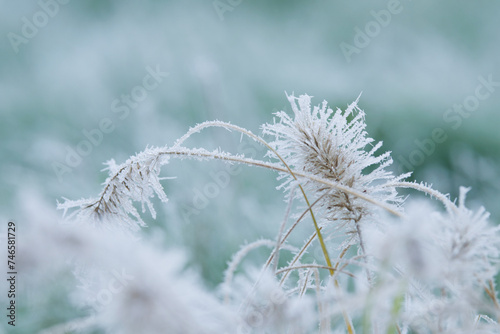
263 142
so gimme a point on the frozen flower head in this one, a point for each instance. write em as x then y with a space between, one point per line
135 180
457 248
333 146
470 244
448 261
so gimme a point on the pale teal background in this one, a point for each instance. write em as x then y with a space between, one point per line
63 81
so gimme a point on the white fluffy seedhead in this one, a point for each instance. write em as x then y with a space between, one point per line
470 245
447 260
335 147
135 180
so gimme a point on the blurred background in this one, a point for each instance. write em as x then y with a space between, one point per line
82 82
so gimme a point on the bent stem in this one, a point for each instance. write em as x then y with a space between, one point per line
449 205
201 153
263 164
263 142
258 139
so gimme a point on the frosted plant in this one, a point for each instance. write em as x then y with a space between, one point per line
444 262
125 284
419 271
470 245
136 179
333 146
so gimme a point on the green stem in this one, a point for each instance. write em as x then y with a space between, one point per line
318 231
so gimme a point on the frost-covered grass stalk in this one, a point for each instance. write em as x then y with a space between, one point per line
389 264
